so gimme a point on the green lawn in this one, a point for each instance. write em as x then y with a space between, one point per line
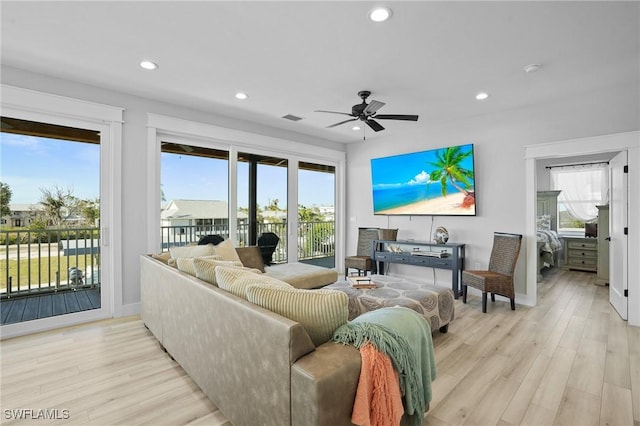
43 271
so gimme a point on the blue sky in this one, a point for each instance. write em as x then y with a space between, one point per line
195 178
29 163
408 169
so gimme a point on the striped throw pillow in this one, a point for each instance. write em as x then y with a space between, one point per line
236 280
186 264
320 312
205 269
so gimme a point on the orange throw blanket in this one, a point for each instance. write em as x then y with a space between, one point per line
378 399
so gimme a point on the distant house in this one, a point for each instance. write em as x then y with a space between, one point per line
23 214
209 215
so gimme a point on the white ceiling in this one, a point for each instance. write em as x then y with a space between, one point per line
430 58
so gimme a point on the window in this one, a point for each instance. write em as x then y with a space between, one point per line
195 195
583 187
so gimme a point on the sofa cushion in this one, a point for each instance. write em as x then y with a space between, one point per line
205 268
236 280
320 312
192 251
186 264
226 251
250 257
302 275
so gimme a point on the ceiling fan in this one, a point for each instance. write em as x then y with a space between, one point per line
368 111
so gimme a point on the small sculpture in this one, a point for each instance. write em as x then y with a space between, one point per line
441 236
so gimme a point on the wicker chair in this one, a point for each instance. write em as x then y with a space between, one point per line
362 260
499 278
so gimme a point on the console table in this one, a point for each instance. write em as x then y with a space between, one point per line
408 253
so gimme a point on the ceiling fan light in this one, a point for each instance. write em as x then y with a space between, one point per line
482 96
355 128
241 96
380 14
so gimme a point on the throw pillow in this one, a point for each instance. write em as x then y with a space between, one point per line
162 257
320 312
236 281
251 257
205 269
226 251
192 251
186 264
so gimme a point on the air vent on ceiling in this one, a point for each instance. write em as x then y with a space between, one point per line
291 117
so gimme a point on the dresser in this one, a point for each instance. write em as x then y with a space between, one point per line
581 254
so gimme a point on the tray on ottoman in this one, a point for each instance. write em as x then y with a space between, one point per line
435 304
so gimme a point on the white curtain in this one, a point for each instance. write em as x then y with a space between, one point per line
583 188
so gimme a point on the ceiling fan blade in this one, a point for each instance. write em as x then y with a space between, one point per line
397 117
374 125
373 107
333 112
342 122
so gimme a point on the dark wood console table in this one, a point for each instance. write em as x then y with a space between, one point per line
409 253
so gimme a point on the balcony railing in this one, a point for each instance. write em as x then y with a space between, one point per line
36 261
315 239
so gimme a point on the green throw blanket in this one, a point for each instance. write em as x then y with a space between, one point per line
405 337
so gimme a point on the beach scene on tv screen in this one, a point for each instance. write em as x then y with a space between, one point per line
434 182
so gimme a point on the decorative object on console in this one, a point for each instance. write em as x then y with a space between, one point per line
435 182
498 279
441 236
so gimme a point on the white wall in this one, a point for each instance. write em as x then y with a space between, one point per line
134 152
499 141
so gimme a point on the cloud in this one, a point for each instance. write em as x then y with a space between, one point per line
420 178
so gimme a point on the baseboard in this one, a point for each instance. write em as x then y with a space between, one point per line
131 309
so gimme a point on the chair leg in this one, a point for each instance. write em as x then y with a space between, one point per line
513 304
464 293
493 297
484 302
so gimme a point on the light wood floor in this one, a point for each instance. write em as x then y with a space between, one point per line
569 361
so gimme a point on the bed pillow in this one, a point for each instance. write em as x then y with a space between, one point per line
162 257
320 312
205 269
544 222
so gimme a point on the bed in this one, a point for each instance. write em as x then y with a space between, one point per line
549 243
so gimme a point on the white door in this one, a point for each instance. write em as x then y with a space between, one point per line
618 283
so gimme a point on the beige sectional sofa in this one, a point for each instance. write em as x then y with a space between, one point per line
258 367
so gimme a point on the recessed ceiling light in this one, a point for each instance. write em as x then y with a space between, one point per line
148 65
355 128
482 96
380 14
241 95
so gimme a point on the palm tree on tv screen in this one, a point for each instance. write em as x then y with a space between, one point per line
448 168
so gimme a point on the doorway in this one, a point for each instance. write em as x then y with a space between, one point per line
561 150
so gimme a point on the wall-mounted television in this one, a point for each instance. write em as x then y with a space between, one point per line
434 182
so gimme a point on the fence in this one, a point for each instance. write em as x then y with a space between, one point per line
57 259
36 261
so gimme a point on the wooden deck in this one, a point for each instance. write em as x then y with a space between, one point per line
48 305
